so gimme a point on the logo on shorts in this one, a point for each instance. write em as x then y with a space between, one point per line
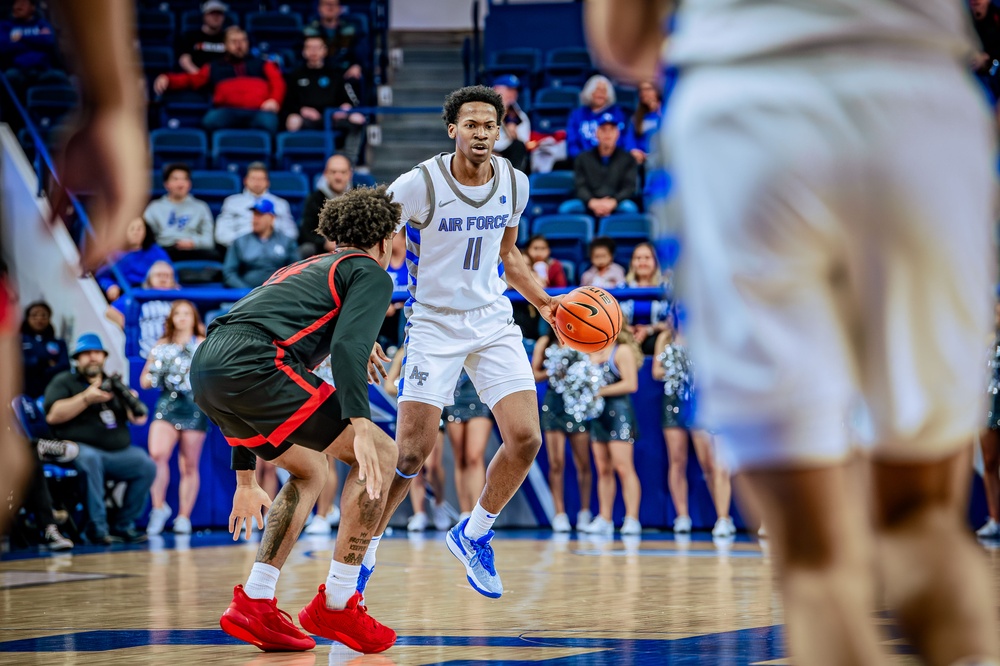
418 376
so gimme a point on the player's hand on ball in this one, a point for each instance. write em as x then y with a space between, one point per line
376 365
248 505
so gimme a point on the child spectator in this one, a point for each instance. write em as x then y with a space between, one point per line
175 417
206 43
183 225
152 314
235 218
614 433
253 258
43 354
603 272
246 91
549 270
141 252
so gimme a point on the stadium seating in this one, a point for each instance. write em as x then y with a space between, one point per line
157 60
155 27
270 31
305 151
179 145
627 230
203 273
550 108
569 66
520 62
214 186
47 105
291 186
234 149
628 99
548 190
568 235
183 109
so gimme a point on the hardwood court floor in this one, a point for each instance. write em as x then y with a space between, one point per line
566 602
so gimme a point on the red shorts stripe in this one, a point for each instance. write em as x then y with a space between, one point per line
249 442
285 430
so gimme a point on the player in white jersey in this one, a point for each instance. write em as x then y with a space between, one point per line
835 167
461 212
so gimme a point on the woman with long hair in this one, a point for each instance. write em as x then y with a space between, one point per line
42 353
673 368
614 433
141 252
566 413
645 122
176 416
644 271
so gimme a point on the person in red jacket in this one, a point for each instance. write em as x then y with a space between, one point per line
247 91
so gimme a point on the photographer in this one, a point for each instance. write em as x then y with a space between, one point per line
93 409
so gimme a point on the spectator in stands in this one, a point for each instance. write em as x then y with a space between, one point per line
645 123
391 333
316 86
176 416
206 43
88 407
27 45
141 252
596 100
43 354
516 131
337 177
346 40
246 91
254 257
183 225
644 271
152 314
604 176
603 272
235 219
986 20
550 270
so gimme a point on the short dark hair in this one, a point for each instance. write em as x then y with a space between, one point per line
175 166
361 217
605 242
454 101
257 166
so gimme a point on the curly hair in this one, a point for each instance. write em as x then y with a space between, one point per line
454 101
361 217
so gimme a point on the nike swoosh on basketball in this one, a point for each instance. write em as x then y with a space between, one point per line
593 309
445 203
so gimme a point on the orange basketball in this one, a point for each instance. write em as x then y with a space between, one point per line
588 319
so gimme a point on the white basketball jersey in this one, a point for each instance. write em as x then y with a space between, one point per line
453 253
717 31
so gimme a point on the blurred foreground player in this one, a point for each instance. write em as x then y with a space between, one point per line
252 377
106 155
835 167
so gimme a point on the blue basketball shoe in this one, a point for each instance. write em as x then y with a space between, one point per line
477 556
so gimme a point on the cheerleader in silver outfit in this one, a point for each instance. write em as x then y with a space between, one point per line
570 403
614 432
989 440
673 368
176 416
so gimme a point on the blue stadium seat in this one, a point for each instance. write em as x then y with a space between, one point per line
524 63
214 186
47 105
551 107
628 99
204 273
568 235
234 149
185 108
30 414
627 230
156 188
155 27
270 31
569 66
363 180
548 190
305 151
291 186
179 145
569 270
156 60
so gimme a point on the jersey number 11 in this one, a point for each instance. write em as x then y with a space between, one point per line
472 253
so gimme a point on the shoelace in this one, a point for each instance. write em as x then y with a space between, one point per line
364 618
483 553
274 607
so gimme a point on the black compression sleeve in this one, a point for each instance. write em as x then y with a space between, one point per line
242 459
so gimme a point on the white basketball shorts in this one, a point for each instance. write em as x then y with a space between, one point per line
485 341
838 216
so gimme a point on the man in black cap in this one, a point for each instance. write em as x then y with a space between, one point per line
604 176
88 407
206 43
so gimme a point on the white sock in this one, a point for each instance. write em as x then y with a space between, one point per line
262 581
369 560
480 522
341 584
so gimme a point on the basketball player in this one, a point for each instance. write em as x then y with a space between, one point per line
251 377
106 154
461 212
835 167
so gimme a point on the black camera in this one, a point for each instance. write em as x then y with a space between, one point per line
114 384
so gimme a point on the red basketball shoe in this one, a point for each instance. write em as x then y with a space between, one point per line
260 622
353 626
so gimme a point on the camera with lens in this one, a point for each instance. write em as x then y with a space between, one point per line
114 384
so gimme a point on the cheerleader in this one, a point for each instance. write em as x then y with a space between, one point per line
567 409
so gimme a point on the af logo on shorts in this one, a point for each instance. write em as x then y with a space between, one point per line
418 376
